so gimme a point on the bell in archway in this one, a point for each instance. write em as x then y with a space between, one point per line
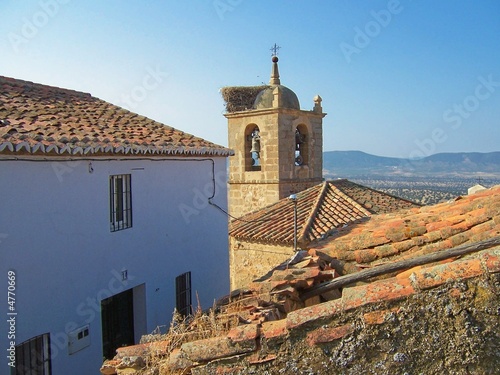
255 151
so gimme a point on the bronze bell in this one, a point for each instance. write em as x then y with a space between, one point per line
255 147
255 144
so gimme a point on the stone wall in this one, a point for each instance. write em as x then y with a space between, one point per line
249 261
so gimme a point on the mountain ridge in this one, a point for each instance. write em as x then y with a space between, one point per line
458 164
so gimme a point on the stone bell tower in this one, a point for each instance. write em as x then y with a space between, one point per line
278 147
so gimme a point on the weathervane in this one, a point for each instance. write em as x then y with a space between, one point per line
274 49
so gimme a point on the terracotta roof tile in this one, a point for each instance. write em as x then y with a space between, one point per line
40 119
399 235
320 209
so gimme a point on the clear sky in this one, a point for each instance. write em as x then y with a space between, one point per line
398 78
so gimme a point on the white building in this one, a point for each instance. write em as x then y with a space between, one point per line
106 225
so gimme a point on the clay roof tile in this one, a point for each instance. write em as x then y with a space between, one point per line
419 231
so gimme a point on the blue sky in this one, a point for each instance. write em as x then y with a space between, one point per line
398 78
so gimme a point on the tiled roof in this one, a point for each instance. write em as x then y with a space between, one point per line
398 235
320 209
40 119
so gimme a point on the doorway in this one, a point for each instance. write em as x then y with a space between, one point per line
117 316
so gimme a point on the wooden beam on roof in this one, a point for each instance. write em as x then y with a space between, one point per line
352 278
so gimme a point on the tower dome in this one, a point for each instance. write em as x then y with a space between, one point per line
288 99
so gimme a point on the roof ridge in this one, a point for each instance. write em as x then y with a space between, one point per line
380 192
36 85
313 212
350 199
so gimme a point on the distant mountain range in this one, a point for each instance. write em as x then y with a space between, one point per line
350 164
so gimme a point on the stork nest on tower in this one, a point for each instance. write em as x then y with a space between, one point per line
240 98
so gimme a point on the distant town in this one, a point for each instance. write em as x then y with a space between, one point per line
431 180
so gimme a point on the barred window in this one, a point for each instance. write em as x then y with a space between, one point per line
33 356
120 202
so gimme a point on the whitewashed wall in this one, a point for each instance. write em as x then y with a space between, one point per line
54 232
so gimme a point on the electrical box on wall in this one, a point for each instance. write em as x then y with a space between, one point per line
78 339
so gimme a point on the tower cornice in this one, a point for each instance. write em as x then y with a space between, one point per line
259 112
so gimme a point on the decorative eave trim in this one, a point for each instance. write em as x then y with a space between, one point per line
6 145
40 148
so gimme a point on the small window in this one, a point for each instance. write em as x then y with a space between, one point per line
120 202
183 293
33 356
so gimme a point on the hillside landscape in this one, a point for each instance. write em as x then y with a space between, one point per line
429 180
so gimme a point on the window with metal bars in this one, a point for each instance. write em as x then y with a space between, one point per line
183 293
33 356
120 190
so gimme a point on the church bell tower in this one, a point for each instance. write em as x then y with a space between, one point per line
278 147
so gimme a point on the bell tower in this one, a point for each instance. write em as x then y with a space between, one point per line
278 147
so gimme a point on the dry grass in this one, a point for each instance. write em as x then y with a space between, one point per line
201 325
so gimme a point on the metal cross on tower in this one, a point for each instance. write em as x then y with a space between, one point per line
274 49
